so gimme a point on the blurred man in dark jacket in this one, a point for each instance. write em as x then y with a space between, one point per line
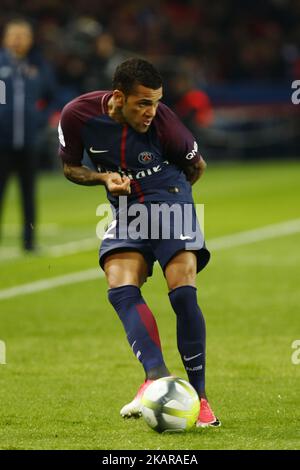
30 87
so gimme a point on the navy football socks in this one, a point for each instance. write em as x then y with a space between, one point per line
191 335
141 329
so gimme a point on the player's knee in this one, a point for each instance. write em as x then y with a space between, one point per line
181 277
118 277
188 281
181 271
115 281
125 269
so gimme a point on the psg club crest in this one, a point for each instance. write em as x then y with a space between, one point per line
146 157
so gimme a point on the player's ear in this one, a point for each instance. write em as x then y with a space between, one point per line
119 98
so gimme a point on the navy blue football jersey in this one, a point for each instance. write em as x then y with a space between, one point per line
154 161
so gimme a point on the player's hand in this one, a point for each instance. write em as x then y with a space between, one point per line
118 185
195 171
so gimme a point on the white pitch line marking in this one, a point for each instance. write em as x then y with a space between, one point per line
229 241
54 251
50 283
45 229
71 248
256 235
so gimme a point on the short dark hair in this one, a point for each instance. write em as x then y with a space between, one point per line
134 72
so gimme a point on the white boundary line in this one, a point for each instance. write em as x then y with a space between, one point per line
45 229
256 235
229 241
54 251
44 284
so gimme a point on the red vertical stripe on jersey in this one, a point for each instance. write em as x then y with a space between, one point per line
134 184
123 148
149 321
137 188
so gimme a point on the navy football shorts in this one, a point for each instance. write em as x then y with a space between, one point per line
158 232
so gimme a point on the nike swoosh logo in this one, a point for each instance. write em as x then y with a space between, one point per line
97 151
183 237
192 357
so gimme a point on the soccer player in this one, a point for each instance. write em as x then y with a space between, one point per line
142 152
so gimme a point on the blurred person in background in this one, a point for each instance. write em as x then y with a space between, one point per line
103 62
191 104
75 61
30 88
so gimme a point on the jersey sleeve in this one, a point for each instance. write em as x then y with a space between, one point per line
69 133
178 143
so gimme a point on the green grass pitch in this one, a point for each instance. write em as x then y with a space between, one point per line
69 368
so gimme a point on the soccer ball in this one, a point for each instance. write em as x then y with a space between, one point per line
170 404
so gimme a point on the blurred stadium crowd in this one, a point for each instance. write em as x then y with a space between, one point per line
217 58
227 40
